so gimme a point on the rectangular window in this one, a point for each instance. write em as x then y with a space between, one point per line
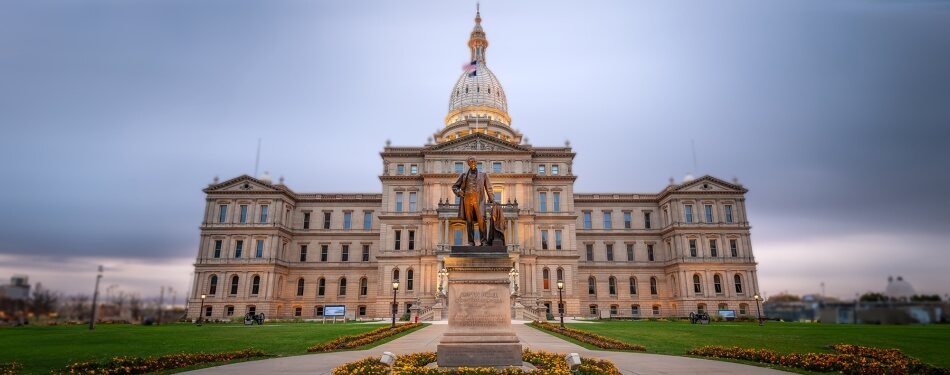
366 253
321 290
397 244
306 220
557 240
541 170
412 202
607 220
217 248
400 169
243 213
689 213
458 167
708 210
413 169
496 167
497 195
656 310
544 240
347 219
630 252
458 238
587 220
412 240
324 252
298 311
627 224
646 220
318 311
590 252
345 253
399 202
303 253
543 205
728 209
734 248
229 311
260 249
633 286
238 247
713 250
610 252
692 248
222 213
479 166
362 310
326 220
650 253
264 213
554 169
367 220
634 310
557 202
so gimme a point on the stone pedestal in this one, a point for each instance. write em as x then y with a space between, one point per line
479 332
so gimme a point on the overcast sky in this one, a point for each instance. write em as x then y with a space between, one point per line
834 114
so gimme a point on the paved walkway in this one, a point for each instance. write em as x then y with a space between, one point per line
428 338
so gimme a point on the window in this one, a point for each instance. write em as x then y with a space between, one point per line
541 170
367 220
713 250
256 284
318 311
546 277
458 237
366 253
412 202
362 310
399 202
243 213
630 252
612 286
554 169
264 213
708 209
222 213
689 213
321 289
497 195
634 310
347 218
238 247
656 309
413 169
610 252
397 243
607 220
479 166
324 252
646 220
306 220
701 308
412 240
458 167
587 220
298 311
400 169
326 220
299 287
592 309
342 287
743 308
303 253
234 284
364 287
650 253
692 247
738 281
633 286
260 249
214 285
544 240
613 309
557 240
717 283
229 310
697 285
496 167
543 205
396 274
728 209
591 286
217 248
734 248
723 306
557 202
345 253
653 286
627 224
409 279
590 252
560 274
208 310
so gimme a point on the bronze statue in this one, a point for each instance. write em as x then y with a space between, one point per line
473 187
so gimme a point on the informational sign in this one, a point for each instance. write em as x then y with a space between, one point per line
334 310
728 314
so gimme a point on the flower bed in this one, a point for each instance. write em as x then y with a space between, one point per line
414 364
139 365
10 368
355 341
589 338
848 359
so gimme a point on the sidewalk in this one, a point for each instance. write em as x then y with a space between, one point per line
428 338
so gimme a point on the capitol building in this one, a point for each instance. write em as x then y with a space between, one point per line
265 248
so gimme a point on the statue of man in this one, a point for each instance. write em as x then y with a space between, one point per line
474 187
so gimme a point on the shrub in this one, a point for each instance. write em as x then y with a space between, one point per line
848 359
10 368
589 338
355 341
139 365
414 364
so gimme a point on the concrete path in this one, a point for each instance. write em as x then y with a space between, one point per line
428 338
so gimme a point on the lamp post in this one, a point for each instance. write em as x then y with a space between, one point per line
95 296
514 276
560 300
201 310
443 273
395 288
757 311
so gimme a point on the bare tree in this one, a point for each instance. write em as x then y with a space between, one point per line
80 306
135 305
44 300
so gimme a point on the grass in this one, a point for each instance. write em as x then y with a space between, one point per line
926 343
42 349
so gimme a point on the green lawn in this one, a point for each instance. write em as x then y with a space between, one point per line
42 349
927 343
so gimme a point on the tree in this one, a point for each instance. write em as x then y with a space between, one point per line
80 306
44 300
873 297
925 298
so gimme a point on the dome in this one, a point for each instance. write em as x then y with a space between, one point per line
899 289
478 93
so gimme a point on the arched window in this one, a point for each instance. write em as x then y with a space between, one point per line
717 283
364 286
546 278
697 286
256 284
396 274
612 285
234 284
214 285
409 280
321 286
343 286
591 286
723 306
653 285
633 286
701 308
560 274
738 280
299 287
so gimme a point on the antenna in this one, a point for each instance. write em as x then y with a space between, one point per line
695 168
258 159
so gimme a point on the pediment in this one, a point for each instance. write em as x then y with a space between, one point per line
709 184
244 183
476 142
